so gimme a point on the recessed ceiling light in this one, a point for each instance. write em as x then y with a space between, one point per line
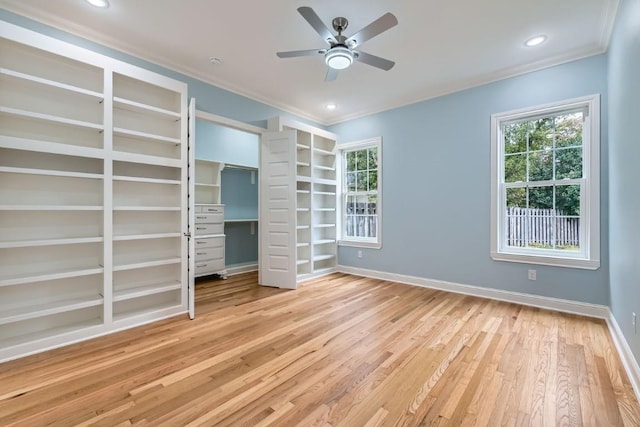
331 106
99 3
535 41
215 60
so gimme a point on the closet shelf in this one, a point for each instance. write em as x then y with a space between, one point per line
145 136
302 146
323 257
301 178
156 312
324 241
145 159
325 193
325 181
52 83
28 171
200 184
86 326
138 107
324 209
40 310
50 147
303 191
241 220
323 225
50 208
128 237
66 273
49 242
302 261
303 164
147 208
302 244
150 263
146 180
50 118
137 291
324 168
323 151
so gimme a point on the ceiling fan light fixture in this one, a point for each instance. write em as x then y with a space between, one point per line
338 57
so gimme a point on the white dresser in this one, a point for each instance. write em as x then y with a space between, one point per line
209 240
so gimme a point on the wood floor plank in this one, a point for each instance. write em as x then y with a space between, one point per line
339 351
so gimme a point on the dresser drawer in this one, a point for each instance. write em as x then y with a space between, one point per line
210 242
209 218
209 253
209 266
203 229
210 209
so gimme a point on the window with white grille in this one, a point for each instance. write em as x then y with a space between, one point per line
361 193
545 192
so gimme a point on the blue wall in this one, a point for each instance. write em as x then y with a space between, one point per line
624 176
227 145
437 185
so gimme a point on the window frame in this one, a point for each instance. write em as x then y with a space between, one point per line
589 255
343 239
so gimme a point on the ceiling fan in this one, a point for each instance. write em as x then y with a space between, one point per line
341 52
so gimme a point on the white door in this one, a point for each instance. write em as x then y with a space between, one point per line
191 146
278 209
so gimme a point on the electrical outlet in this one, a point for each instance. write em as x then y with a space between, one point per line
359 254
531 275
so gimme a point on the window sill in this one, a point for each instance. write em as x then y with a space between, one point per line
357 244
585 264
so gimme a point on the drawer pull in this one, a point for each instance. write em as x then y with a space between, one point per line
200 242
201 228
201 217
201 253
201 265
212 210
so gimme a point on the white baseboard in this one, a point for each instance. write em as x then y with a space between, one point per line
629 362
549 303
556 304
241 268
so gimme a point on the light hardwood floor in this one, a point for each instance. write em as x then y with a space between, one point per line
339 351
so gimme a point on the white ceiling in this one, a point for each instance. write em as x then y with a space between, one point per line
438 46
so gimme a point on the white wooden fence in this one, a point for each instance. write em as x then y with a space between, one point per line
541 227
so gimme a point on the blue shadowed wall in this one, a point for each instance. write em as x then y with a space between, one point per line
227 145
437 185
624 146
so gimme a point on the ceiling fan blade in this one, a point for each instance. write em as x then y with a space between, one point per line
332 74
314 20
380 25
296 53
374 60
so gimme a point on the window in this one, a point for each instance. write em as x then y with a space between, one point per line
361 191
545 184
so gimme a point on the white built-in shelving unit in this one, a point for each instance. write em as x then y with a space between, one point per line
209 220
93 194
298 200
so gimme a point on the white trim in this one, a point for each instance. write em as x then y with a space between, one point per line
566 306
234 269
628 360
589 257
231 123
